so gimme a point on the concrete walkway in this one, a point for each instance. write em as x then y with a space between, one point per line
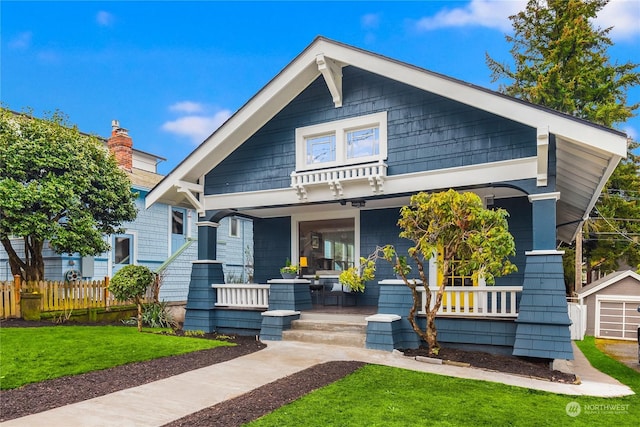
160 402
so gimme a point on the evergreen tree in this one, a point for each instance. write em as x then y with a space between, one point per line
561 62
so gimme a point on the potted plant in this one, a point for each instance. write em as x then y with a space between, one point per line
289 271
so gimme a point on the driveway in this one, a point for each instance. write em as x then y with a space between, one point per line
624 351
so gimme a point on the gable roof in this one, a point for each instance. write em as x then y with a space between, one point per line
607 280
595 148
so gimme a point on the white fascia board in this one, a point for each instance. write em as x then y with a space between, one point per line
482 174
596 193
244 123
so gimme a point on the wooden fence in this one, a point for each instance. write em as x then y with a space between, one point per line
57 296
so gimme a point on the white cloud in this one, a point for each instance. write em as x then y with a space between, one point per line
187 107
196 127
480 13
631 132
21 41
623 16
104 18
370 21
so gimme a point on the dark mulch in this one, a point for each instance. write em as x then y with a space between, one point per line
63 391
235 412
528 367
254 404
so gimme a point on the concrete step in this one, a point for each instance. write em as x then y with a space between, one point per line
337 329
347 339
329 326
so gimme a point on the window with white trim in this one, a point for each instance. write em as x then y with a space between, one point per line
342 142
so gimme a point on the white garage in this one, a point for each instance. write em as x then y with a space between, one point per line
611 306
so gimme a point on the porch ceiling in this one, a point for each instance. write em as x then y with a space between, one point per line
581 172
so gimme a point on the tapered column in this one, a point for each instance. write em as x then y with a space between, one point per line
543 320
200 314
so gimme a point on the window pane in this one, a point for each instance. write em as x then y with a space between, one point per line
363 143
321 149
233 227
177 222
328 245
122 252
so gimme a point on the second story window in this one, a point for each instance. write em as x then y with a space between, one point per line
342 142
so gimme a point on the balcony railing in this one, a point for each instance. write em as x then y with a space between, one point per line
242 295
374 173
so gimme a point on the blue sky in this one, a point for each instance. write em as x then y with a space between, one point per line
172 72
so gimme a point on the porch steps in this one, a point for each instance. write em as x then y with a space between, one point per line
337 329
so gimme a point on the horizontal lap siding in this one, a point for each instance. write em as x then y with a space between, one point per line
425 132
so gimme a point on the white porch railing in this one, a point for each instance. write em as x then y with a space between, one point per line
477 301
242 295
374 173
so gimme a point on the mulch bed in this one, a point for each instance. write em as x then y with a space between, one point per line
527 367
235 412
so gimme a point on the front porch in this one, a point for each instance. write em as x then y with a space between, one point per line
279 309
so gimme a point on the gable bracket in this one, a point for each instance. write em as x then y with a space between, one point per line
188 189
332 74
543 156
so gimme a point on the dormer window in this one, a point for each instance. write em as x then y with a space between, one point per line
342 142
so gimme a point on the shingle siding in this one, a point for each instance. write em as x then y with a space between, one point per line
272 248
425 132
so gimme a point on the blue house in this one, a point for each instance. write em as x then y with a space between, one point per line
322 158
163 237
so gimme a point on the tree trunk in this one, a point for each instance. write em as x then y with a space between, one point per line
139 303
32 267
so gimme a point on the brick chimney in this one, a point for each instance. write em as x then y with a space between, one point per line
120 144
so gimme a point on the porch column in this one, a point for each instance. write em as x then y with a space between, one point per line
205 271
543 321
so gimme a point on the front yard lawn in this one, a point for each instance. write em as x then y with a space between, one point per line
29 355
384 396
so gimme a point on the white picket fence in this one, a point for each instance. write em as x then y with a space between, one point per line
578 316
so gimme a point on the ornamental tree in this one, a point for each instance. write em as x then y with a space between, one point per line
458 228
57 186
131 283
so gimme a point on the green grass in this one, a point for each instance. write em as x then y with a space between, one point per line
609 366
29 355
385 396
